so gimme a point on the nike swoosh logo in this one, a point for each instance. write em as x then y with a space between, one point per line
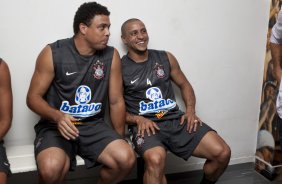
5 163
67 73
132 82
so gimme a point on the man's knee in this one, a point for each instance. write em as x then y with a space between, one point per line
222 153
50 172
226 153
155 159
52 169
52 166
126 158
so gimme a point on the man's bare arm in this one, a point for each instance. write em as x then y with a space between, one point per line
187 94
116 100
40 83
6 100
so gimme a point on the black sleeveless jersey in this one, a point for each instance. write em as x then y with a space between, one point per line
147 87
80 86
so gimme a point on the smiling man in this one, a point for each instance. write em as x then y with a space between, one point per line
72 80
153 116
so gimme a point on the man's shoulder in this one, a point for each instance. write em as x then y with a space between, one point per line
157 52
124 57
108 51
162 54
109 48
61 43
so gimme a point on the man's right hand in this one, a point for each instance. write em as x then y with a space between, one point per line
67 128
147 125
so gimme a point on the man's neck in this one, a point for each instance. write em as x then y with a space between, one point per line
82 47
138 57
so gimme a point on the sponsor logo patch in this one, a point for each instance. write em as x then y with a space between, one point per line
157 104
83 107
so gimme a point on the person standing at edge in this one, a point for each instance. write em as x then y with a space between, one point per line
6 115
276 53
153 116
69 90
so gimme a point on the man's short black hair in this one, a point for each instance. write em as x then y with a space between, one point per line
86 12
125 23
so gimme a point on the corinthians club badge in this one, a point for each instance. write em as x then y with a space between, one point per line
159 69
139 140
98 70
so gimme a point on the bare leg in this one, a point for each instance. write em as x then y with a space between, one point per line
53 165
118 158
217 152
3 178
155 159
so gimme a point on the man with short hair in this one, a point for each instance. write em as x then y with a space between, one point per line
72 81
153 116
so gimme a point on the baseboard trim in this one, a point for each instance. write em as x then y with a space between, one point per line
197 164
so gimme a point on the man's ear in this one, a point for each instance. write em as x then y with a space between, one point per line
83 28
123 40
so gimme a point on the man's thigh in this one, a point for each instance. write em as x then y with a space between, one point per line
181 142
142 144
116 152
49 144
94 139
209 145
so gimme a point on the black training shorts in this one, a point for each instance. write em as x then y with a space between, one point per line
93 139
172 136
4 163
